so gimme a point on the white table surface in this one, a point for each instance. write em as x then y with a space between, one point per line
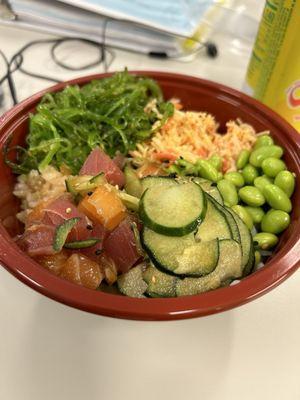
51 352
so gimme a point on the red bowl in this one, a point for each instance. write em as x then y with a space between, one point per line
196 94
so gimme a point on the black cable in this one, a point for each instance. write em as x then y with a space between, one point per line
17 60
33 43
104 31
9 79
72 39
38 76
101 46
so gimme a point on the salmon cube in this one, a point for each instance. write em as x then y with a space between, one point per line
81 270
104 206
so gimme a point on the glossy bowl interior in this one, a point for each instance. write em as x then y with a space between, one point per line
195 94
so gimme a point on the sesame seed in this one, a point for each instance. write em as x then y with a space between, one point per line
68 210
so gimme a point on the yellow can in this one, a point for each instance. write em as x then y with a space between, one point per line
273 74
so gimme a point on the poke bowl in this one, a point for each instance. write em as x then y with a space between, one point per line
148 195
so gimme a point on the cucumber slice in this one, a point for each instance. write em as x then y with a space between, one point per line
62 231
130 202
246 243
133 185
192 286
82 244
199 259
137 238
230 260
150 181
180 255
251 262
230 220
84 183
132 283
98 179
69 187
209 188
214 225
159 283
163 250
229 267
174 210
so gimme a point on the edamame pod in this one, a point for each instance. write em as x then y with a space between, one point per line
263 140
261 181
244 215
256 213
207 171
216 161
265 240
220 176
228 192
286 181
272 166
236 178
276 198
252 196
187 167
260 154
275 221
242 159
249 173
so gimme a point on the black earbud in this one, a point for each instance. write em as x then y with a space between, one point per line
211 49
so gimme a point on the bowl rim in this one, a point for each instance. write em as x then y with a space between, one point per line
251 287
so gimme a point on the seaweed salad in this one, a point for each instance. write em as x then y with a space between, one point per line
109 113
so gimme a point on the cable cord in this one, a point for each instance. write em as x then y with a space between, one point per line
17 60
9 79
